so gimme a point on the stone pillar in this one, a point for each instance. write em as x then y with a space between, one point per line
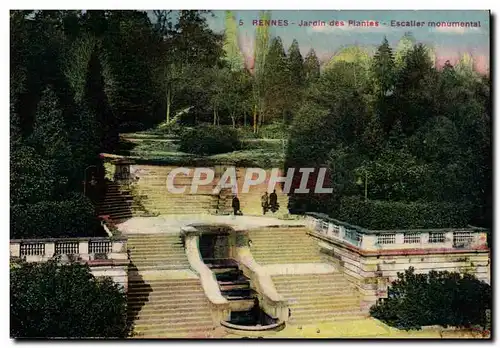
400 239
424 239
50 249
368 241
448 239
15 249
83 249
341 232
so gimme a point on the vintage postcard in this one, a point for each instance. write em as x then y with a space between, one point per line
250 174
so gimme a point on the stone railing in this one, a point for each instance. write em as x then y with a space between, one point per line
271 301
471 238
220 305
81 248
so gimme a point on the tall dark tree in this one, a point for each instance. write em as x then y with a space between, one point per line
311 67
383 69
96 101
277 82
297 80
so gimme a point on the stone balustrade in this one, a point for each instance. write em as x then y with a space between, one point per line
218 303
271 301
81 248
372 259
369 241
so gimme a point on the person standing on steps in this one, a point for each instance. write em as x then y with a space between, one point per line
264 199
236 205
273 202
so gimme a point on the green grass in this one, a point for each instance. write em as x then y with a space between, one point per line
163 148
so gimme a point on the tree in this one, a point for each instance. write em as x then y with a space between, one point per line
382 69
233 55
50 134
100 116
259 70
404 46
277 83
128 49
50 300
437 298
296 65
414 99
297 79
311 67
32 177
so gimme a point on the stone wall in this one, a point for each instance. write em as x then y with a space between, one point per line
372 267
151 183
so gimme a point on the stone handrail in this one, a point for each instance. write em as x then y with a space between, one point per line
207 277
470 238
84 248
273 303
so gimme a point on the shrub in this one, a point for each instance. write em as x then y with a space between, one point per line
209 140
73 217
50 300
436 298
275 130
399 215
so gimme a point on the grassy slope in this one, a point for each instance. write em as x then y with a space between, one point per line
147 147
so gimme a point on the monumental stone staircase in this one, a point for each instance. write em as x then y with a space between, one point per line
117 202
282 245
157 252
319 297
312 297
164 308
171 308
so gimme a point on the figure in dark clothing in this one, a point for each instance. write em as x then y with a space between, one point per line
264 201
236 206
273 202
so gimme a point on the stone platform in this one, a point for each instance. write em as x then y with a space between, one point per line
171 224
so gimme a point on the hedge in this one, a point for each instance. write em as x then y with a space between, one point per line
436 298
73 217
209 140
383 215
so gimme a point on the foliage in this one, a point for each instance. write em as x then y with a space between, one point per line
32 178
437 298
209 140
71 217
311 67
50 300
383 215
392 122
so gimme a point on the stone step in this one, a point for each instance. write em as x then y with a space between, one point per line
314 319
164 281
161 265
167 300
308 303
314 289
167 256
167 314
166 306
165 289
310 278
228 287
161 331
158 242
151 268
156 250
174 322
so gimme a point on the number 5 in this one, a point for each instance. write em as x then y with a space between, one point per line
241 22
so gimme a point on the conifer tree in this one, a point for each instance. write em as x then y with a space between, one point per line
311 67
